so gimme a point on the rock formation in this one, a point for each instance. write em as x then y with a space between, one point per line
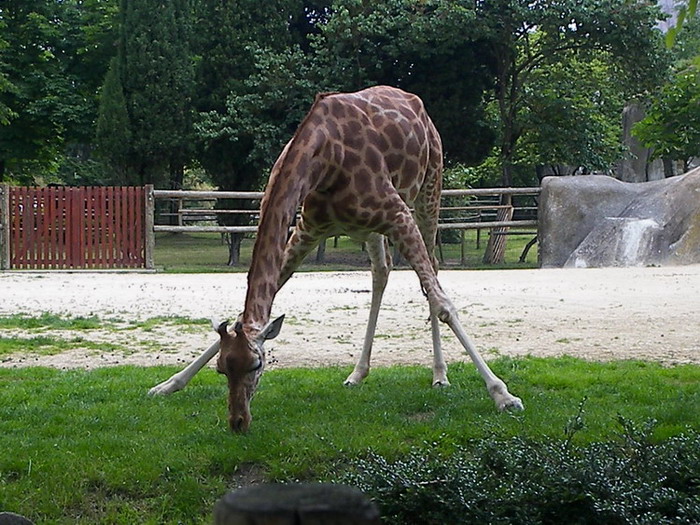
596 220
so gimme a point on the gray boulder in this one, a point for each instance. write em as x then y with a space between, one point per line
594 220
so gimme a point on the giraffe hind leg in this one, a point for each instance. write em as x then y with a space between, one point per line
439 363
426 218
381 266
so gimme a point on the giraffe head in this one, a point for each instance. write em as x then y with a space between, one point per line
242 361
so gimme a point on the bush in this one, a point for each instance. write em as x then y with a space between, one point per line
519 481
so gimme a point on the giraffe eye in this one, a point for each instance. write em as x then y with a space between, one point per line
257 367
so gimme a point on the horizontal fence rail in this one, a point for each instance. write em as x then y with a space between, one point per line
475 213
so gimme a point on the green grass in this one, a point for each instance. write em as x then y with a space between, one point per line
36 335
91 447
204 252
46 345
50 321
47 321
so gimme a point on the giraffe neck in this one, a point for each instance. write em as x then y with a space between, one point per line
291 179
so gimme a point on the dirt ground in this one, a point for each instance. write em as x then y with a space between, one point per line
600 314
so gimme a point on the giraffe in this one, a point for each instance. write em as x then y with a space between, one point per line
357 164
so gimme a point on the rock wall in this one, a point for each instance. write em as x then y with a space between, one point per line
636 166
596 220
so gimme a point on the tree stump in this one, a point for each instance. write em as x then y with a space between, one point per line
10 518
296 504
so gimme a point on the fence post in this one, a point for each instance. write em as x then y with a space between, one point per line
296 504
4 227
150 236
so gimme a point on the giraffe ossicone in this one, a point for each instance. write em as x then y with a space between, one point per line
358 164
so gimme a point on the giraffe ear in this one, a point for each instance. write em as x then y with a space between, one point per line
272 329
220 327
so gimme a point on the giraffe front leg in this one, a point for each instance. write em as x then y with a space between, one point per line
410 243
179 380
299 245
381 266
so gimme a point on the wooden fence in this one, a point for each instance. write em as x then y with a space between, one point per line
76 228
109 227
461 209
471 215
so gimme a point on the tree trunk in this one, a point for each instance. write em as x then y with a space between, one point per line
300 503
234 249
321 252
496 247
177 176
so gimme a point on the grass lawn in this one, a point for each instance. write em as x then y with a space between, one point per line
205 252
91 447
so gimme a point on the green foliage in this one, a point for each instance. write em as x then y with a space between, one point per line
686 13
251 88
156 75
5 85
91 447
113 134
631 479
687 46
531 38
34 88
573 115
246 73
437 49
672 124
50 68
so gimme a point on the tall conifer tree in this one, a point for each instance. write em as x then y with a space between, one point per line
113 135
156 76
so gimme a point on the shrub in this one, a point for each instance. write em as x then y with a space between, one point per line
520 481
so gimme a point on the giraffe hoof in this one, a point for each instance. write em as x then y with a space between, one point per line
356 377
441 383
513 404
166 387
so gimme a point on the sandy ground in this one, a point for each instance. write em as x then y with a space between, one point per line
600 314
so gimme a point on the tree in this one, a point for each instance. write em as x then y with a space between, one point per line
529 37
570 118
672 123
686 11
260 72
5 85
51 66
436 49
36 91
113 133
155 71
253 90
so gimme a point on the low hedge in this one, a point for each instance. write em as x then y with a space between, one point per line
631 480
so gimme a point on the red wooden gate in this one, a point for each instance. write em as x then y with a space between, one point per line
101 227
